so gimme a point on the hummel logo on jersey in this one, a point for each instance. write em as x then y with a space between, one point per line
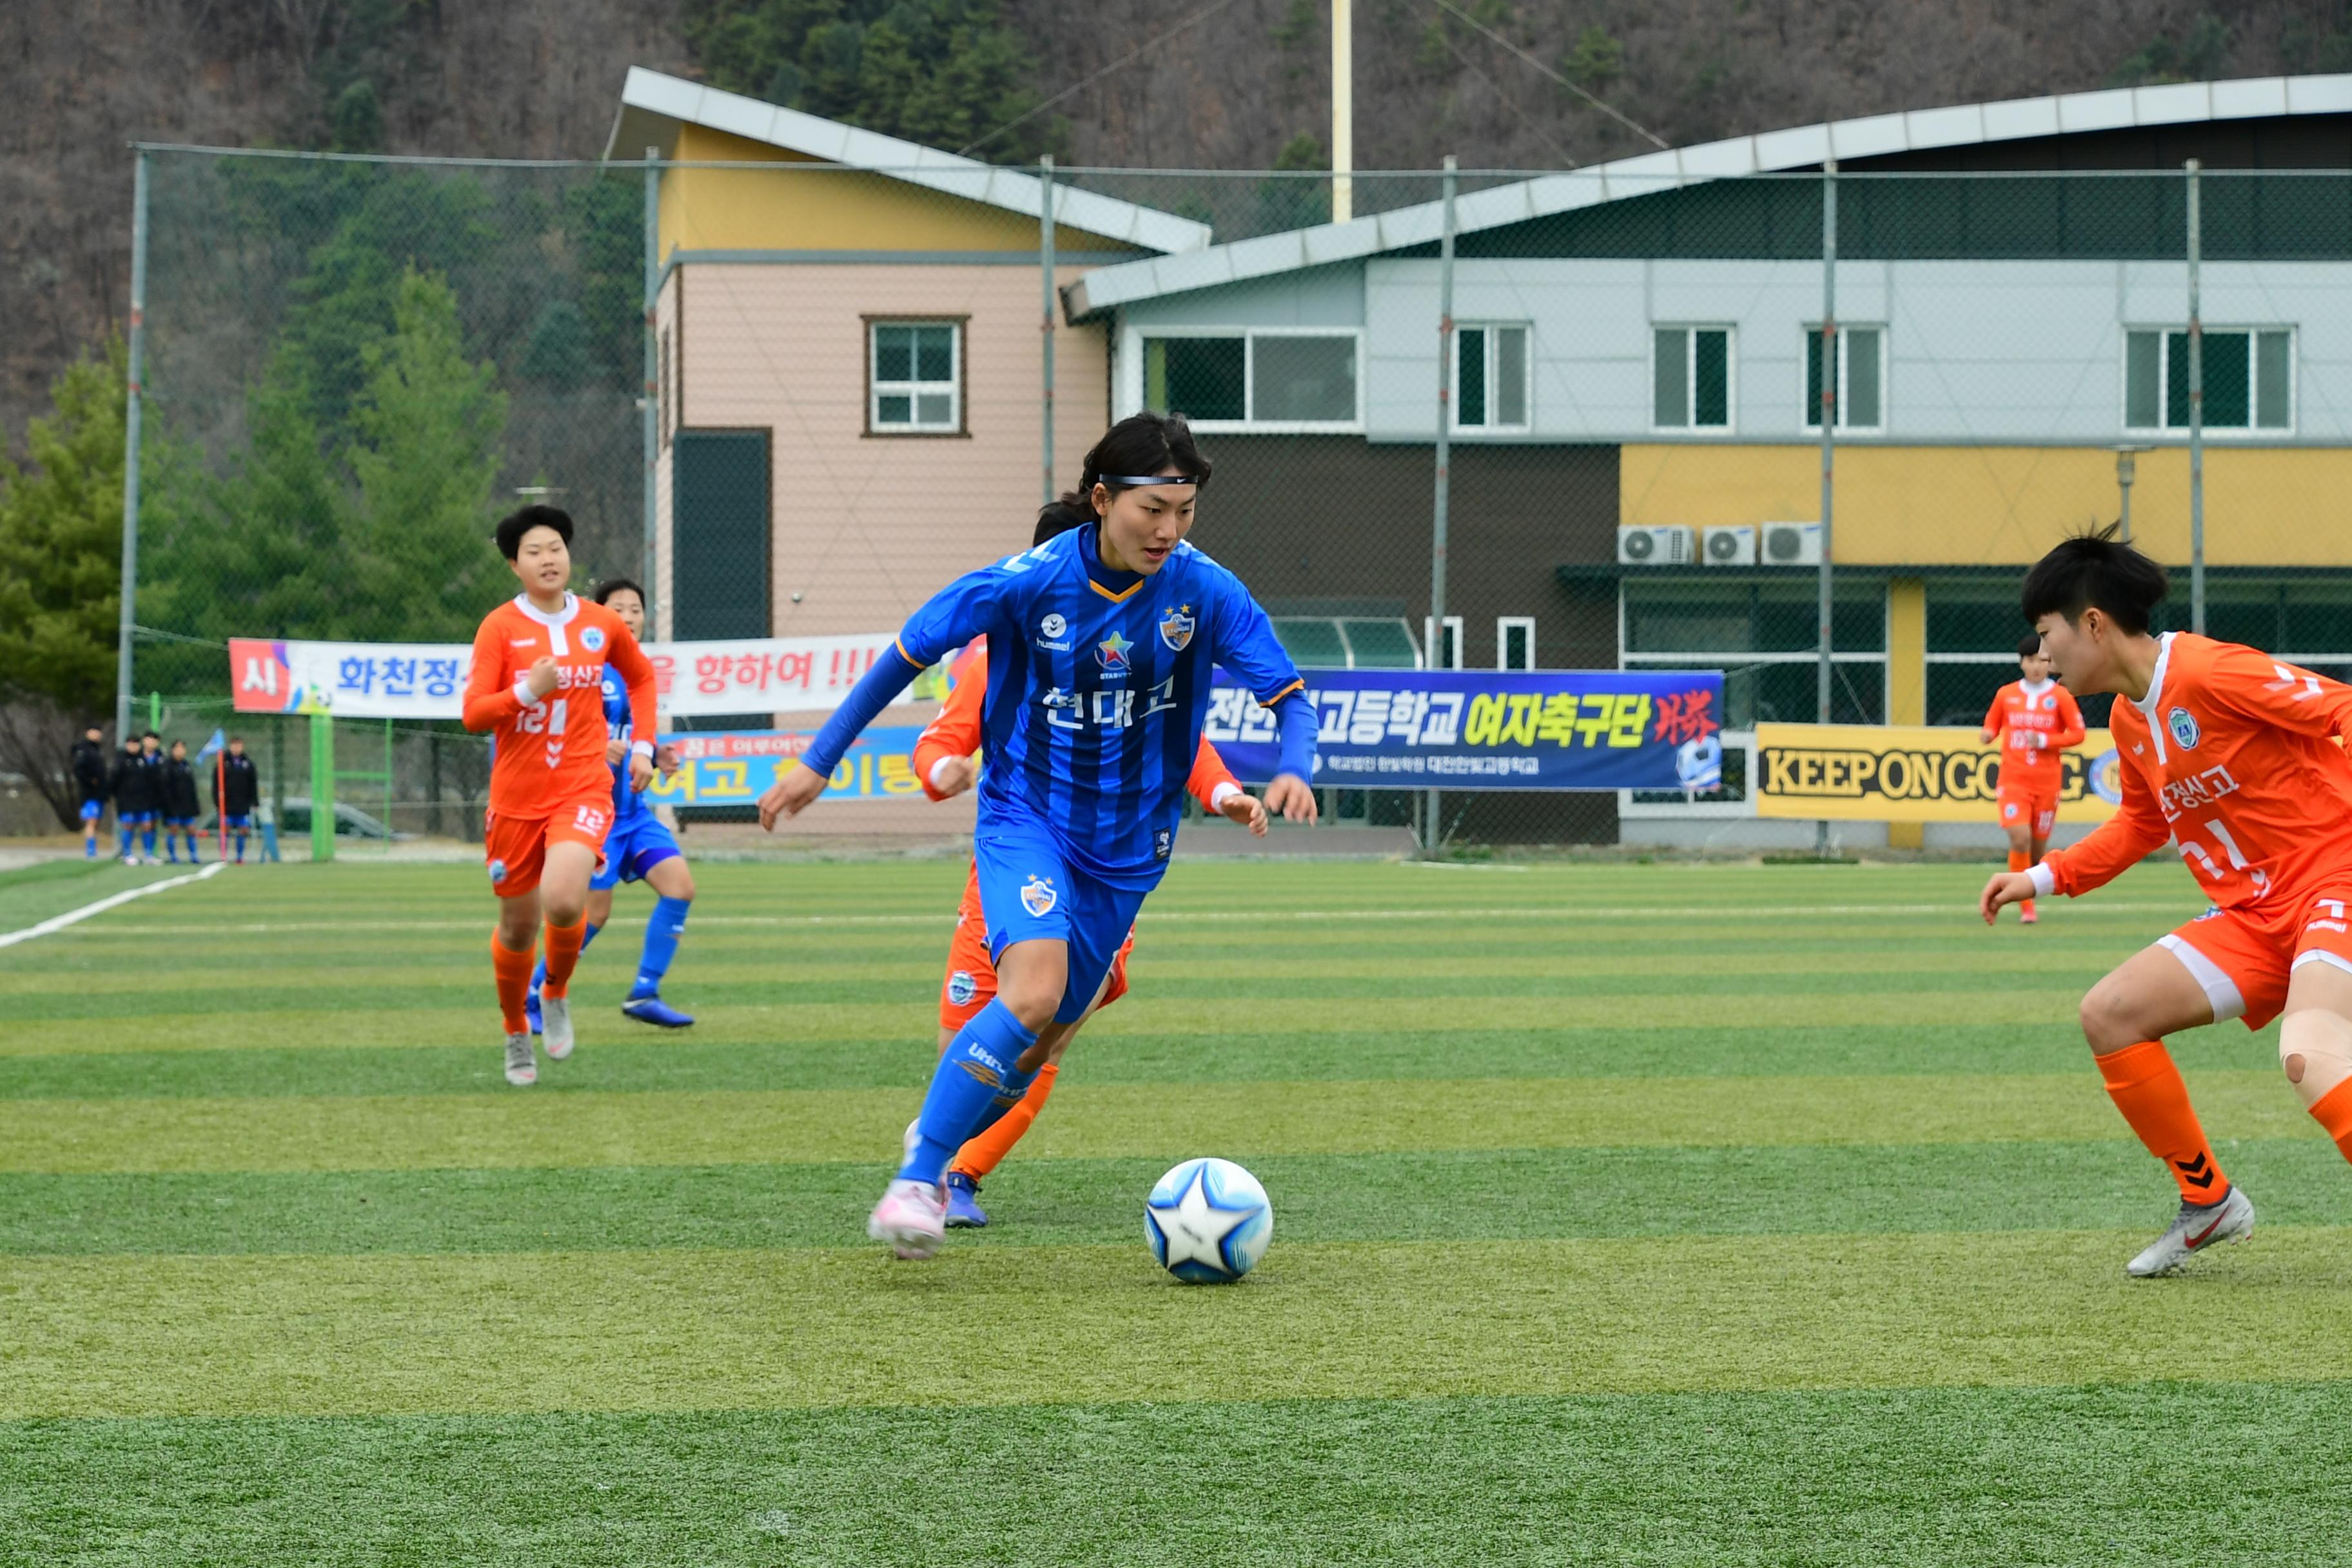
1052 626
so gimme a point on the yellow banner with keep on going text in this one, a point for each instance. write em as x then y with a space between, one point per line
1885 772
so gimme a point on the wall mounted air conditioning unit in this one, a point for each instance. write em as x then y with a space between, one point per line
1727 546
1792 544
1656 546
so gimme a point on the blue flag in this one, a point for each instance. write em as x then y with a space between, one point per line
219 739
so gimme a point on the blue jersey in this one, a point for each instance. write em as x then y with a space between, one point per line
627 802
1097 685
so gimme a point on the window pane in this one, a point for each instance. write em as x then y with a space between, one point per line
1860 378
935 354
1470 378
2229 381
1974 617
1812 410
1312 642
1381 643
935 408
894 408
1958 694
2318 619
2249 613
2140 352
894 353
1519 648
1201 377
1711 379
2274 380
1304 378
1670 379
1510 347
2176 381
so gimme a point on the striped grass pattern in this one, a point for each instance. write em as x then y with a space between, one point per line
1626 1214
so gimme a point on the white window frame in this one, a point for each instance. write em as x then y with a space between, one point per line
1504 627
1132 340
914 391
1690 377
1527 373
1430 645
1845 330
2247 432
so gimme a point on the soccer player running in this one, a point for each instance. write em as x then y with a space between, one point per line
2034 719
1100 644
236 791
90 783
180 803
536 686
2234 757
639 849
945 764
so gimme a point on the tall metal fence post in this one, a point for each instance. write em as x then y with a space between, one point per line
2196 409
322 786
1045 271
1828 373
1433 831
131 411
650 423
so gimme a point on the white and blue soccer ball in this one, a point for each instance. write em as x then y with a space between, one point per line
1208 1222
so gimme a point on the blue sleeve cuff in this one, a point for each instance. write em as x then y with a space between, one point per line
1295 718
877 691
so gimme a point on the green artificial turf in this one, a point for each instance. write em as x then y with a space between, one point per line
1624 1215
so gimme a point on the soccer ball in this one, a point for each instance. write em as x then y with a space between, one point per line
1208 1222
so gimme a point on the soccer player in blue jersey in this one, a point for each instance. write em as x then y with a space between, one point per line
639 849
1101 643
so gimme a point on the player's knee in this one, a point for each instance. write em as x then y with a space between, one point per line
2106 1017
2315 1052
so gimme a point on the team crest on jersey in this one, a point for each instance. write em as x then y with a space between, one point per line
1111 652
592 638
2050 702
1176 627
962 988
1037 895
2183 726
497 871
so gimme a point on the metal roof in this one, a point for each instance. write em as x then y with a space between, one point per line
1805 146
653 106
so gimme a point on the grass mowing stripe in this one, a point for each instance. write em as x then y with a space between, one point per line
1960 1478
590 1128
726 1330
1470 1195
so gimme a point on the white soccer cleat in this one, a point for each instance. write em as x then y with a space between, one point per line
522 1067
2198 1227
555 1025
912 1217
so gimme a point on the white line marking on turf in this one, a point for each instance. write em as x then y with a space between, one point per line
75 916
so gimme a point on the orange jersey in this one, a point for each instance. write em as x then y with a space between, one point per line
550 752
956 733
2031 728
2233 757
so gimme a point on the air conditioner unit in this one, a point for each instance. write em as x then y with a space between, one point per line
1728 546
1792 544
1656 546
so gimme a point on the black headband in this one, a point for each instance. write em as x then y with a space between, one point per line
1137 481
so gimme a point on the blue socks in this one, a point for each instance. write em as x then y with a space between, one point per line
147 842
978 1071
124 853
663 927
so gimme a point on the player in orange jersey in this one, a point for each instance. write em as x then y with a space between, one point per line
2234 757
2034 720
537 687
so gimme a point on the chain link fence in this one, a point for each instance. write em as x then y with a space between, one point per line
796 398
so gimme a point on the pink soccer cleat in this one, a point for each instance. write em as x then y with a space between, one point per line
912 1217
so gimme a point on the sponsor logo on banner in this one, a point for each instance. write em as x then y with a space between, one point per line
1865 772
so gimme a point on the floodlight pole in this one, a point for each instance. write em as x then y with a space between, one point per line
2196 408
1829 409
127 623
649 424
1045 272
1343 111
1433 830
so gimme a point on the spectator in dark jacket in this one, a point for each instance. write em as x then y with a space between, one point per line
138 800
180 806
236 791
89 777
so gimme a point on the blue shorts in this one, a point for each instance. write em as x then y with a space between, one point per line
91 810
134 818
179 822
1029 892
237 824
637 844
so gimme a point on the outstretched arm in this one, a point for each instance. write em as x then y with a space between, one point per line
2134 832
637 671
1213 785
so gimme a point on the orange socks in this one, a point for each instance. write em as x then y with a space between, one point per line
563 955
2146 1088
513 970
2333 1110
2020 861
978 1156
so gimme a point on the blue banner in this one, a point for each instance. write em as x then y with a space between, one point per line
735 767
1468 729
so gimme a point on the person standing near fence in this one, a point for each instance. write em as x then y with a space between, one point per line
136 799
236 791
2034 720
90 784
180 803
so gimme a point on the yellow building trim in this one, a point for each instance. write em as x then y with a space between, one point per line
2002 506
745 209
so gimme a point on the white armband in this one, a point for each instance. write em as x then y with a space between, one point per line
940 767
1223 792
523 693
641 748
2045 880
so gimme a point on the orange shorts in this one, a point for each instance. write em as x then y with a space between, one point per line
515 848
971 983
2244 958
2033 802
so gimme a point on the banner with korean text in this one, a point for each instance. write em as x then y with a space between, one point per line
427 681
1461 728
735 767
1871 772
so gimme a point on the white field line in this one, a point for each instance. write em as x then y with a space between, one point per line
75 916
1190 917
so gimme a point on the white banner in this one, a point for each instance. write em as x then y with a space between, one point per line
427 681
